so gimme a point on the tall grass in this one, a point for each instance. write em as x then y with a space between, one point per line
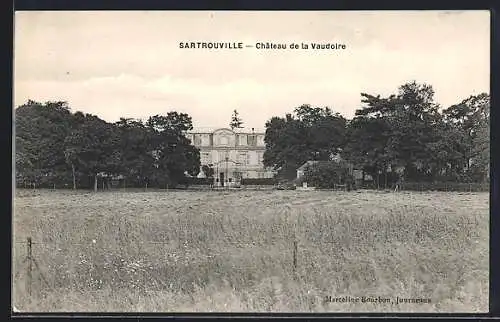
232 251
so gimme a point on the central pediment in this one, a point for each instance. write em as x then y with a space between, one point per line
223 131
224 137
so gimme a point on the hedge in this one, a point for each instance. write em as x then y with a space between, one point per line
200 181
446 186
259 181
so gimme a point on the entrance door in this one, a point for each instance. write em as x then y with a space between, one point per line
221 179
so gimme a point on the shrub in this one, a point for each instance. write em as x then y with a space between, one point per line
259 181
328 174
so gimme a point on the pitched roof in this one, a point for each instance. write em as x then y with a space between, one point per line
335 159
311 162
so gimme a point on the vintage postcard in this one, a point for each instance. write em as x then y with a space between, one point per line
246 161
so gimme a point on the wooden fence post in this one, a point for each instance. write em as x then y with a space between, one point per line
29 258
295 248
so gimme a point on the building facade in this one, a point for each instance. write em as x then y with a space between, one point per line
233 154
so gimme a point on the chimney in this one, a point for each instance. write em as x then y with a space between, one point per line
252 129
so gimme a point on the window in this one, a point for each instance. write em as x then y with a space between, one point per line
242 139
242 158
205 140
197 140
222 156
252 140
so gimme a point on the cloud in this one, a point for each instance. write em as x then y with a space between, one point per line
129 63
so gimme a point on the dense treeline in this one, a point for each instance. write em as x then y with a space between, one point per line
403 137
56 147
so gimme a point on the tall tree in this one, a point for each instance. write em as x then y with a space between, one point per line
407 130
236 122
366 144
175 156
135 151
40 131
324 131
92 147
470 121
309 134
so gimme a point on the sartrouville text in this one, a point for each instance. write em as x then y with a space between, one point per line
211 45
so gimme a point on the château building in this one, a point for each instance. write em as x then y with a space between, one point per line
233 154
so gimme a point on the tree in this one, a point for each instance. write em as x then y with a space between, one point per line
446 158
53 145
470 121
309 134
174 155
92 147
236 122
406 130
480 152
284 145
136 161
40 131
366 144
405 125
324 131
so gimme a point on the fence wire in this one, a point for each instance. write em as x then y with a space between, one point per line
49 265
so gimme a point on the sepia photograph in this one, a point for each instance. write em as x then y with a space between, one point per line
251 161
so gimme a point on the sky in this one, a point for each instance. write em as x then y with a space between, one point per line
129 63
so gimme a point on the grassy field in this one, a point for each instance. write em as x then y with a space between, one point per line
234 251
